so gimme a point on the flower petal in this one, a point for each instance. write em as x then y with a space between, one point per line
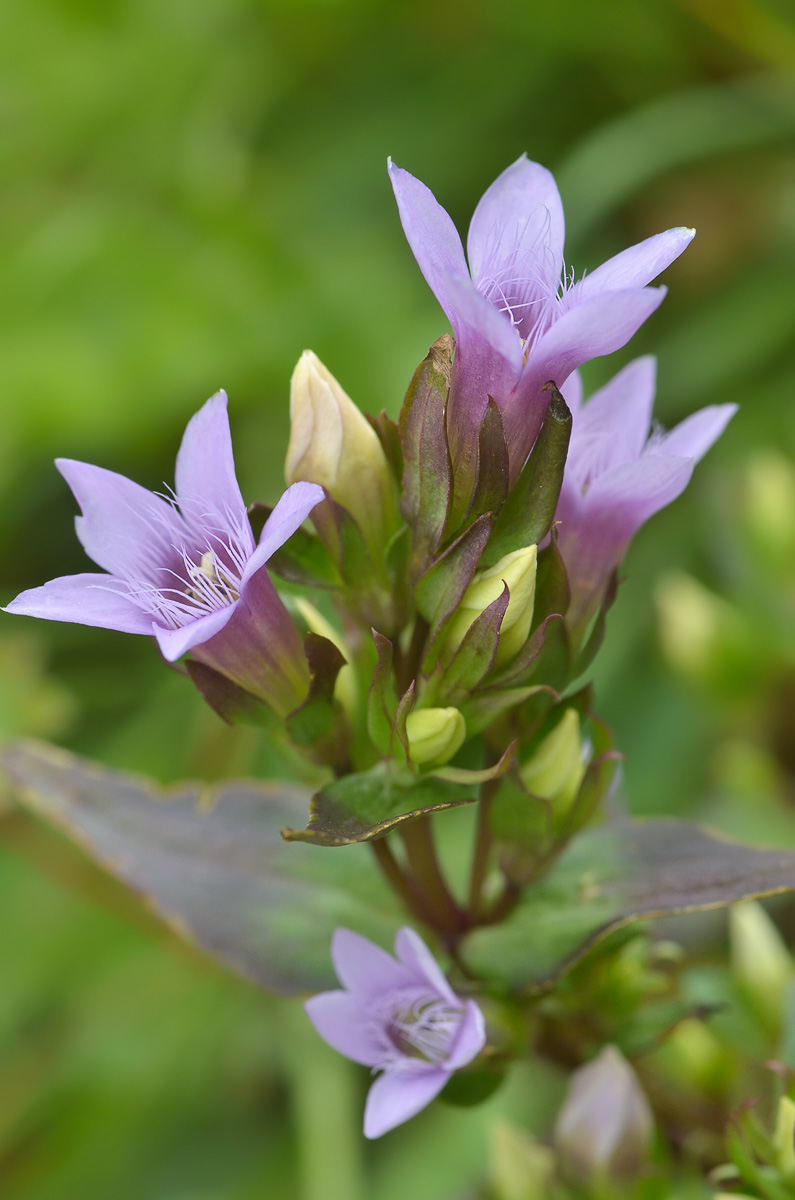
515 242
693 437
343 1023
636 266
432 236
291 511
621 500
174 643
470 1040
206 485
398 1095
127 530
87 599
415 955
613 426
572 392
364 968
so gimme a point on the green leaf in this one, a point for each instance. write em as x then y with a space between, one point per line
211 862
530 508
357 808
611 876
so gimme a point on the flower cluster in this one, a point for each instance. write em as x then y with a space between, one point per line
459 574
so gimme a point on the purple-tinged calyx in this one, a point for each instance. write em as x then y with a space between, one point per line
400 1017
618 473
519 317
187 571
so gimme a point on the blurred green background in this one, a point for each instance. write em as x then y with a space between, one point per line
191 192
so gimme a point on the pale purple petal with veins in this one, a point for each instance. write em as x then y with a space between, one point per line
397 1096
636 266
205 482
88 599
399 1016
290 512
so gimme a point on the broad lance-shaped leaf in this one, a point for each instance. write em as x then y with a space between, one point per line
491 481
611 876
358 808
530 508
212 862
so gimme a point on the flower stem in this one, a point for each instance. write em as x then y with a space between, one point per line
405 887
480 857
444 913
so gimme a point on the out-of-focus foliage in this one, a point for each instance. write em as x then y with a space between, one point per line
194 191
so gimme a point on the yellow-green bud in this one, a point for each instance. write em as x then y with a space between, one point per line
761 962
521 1167
784 1138
333 444
435 735
345 683
518 571
604 1129
556 769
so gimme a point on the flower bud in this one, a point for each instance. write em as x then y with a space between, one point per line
557 767
784 1138
333 444
435 735
521 1167
345 684
761 962
604 1129
518 571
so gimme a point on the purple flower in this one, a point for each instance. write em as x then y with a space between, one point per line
618 474
518 316
187 570
398 1016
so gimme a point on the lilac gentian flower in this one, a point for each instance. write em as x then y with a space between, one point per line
618 475
519 319
188 572
398 1016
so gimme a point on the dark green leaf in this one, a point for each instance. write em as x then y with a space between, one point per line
611 876
427 473
212 863
440 589
491 481
357 808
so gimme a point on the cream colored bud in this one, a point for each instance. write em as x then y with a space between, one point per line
557 767
435 735
521 1167
604 1129
518 571
761 962
333 444
345 683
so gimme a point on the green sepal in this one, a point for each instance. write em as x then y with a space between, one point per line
231 702
596 781
521 823
469 1088
427 470
482 709
472 660
319 724
381 698
553 594
492 474
358 808
439 591
596 636
389 437
405 706
368 591
464 775
302 559
529 511
546 655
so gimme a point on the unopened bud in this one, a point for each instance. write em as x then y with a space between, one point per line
557 767
345 683
770 505
521 1167
784 1138
604 1129
435 735
761 962
518 571
333 444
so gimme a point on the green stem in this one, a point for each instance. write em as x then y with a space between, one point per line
327 1113
445 915
405 887
480 857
